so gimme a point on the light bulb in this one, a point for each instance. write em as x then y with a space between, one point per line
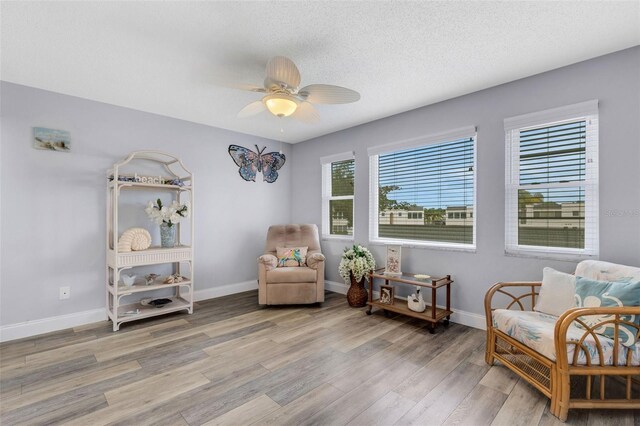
280 105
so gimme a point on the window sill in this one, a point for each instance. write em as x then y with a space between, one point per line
337 238
546 255
466 248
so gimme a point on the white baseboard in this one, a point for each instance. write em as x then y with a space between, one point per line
469 319
225 290
336 287
47 325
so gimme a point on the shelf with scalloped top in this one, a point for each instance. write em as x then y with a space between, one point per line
164 173
141 185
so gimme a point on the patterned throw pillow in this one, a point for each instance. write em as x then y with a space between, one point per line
593 294
292 256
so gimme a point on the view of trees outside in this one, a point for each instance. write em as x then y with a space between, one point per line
341 210
427 193
552 159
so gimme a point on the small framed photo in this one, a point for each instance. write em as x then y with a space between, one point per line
393 263
51 139
386 294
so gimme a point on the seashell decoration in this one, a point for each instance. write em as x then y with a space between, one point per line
175 278
134 239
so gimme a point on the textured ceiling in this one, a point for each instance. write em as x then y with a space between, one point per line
179 59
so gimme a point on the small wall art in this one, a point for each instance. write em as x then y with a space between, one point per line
51 139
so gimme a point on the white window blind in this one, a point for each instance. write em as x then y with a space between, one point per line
552 182
423 192
338 195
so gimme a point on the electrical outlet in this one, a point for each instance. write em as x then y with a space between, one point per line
65 292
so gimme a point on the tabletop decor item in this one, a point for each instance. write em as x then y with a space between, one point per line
159 303
251 162
393 264
175 278
134 239
128 280
151 278
167 217
386 294
355 265
415 302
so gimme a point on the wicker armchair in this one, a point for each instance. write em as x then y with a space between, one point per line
582 375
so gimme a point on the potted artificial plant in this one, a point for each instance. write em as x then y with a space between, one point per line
355 265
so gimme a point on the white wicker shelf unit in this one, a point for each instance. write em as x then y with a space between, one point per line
179 257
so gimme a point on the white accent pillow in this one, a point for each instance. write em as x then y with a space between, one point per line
557 294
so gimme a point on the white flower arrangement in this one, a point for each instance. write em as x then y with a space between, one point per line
358 261
170 215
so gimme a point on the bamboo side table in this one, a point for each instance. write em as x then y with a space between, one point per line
432 314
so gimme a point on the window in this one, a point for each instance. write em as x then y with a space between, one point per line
432 180
552 182
337 195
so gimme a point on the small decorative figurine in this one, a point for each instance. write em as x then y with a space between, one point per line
175 278
415 302
128 280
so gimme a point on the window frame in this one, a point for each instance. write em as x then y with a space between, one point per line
587 111
418 142
326 163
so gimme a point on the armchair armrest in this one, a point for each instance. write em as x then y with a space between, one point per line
315 260
268 260
499 288
574 315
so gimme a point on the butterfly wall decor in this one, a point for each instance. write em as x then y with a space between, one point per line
251 163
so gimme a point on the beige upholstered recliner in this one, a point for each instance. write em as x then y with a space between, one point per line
291 285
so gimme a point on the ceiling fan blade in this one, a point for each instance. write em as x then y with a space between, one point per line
252 109
328 94
249 88
281 70
306 113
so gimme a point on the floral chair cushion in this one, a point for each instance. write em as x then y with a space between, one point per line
536 331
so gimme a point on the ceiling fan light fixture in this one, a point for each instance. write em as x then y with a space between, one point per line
280 105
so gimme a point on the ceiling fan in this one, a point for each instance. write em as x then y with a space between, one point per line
284 98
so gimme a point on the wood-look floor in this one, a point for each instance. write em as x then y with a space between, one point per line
233 362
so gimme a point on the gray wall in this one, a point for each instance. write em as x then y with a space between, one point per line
53 204
613 79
